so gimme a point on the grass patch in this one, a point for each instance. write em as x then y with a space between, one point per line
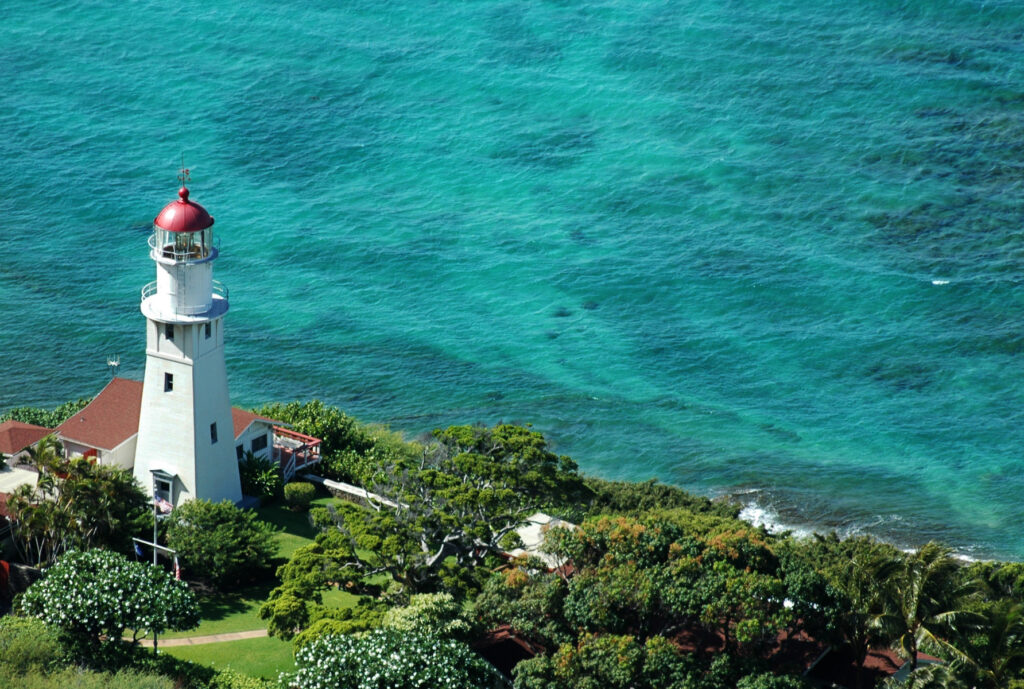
262 657
292 530
238 611
221 613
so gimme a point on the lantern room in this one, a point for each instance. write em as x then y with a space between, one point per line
183 231
182 246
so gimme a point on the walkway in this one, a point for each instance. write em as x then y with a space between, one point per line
209 639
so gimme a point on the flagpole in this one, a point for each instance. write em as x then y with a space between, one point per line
154 544
154 525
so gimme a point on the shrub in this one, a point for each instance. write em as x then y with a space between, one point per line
84 679
220 543
94 593
47 418
387 658
261 477
230 679
28 644
432 613
298 495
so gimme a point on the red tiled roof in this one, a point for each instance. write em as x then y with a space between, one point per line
241 419
113 417
838 668
110 419
15 436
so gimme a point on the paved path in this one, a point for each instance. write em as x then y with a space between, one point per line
210 639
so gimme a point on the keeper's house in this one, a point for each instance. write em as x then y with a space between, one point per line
107 429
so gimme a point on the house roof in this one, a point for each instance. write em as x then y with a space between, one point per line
110 419
242 419
113 417
15 436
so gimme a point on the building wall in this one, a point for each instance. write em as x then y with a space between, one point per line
257 429
174 426
73 449
121 456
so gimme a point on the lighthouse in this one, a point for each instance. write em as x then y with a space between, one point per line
185 444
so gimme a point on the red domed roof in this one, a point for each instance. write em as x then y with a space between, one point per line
183 215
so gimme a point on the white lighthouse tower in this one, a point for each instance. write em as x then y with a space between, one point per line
186 439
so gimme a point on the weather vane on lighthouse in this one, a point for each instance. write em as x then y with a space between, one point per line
183 174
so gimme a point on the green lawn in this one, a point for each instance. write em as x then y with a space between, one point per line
229 612
238 611
263 657
292 530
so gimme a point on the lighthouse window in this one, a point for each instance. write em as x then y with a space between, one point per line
208 330
168 382
213 432
169 332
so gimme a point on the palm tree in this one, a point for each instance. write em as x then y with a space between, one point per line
926 677
922 604
855 569
999 649
860 586
46 454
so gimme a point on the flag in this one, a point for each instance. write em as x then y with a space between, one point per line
163 506
138 550
177 569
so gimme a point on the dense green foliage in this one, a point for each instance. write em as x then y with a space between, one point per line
664 589
97 593
299 494
435 525
392 659
623 497
47 418
28 644
350 451
220 543
640 583
261 477
76 678
75 505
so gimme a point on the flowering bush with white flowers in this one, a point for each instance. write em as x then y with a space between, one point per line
98 592
390 659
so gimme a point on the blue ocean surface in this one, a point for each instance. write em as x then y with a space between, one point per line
763 249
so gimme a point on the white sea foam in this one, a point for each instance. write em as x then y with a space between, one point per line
940 282
762 515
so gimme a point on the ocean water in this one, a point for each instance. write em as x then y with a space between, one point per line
765 249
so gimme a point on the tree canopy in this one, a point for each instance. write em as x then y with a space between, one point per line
99 593
220 543
75 504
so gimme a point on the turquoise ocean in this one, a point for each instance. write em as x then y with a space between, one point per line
768 249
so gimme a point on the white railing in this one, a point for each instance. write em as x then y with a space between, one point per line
218 288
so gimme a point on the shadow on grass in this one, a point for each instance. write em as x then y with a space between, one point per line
284 520
218 606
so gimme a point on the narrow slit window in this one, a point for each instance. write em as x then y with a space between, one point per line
168 332
168 382
208 330
213 432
